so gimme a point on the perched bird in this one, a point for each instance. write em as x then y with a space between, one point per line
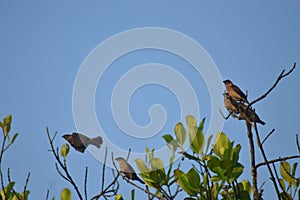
248 113
230 104
127 170
235 92
80 142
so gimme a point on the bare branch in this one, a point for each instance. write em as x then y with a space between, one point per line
9 181
47 194
85 182
297 142
271 132
266 160
26 183
281 75
63 166
277 160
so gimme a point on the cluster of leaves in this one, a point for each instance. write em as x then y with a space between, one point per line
289 184
8 192
215 174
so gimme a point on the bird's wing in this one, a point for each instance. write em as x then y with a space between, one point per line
238 91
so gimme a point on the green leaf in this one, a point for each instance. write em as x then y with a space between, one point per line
201 125
170 141
183 181
285 171
247 186
294 168
7 120
65 194
191 121
281 182
222 145
194 178
64 150
180 133
197 140
14 138
141 166
235 154
208 144
119 197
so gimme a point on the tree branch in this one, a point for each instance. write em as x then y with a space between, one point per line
68 177
281 75
277 160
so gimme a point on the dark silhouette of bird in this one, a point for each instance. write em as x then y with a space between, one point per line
80 142
127 170
250 114
235 92
230 104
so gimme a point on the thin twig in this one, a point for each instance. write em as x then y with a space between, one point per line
68 177
103 169
253 168
266 160
10 182
297 142
281 75
85 182
47 195
271 132
277 160
26 184
139 187
277 178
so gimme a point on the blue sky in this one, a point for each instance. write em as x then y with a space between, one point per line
43 45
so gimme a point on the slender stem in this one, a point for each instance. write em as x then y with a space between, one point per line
266 160
277 160
253 168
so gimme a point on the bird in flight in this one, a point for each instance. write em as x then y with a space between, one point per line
80 142
127 170
235 92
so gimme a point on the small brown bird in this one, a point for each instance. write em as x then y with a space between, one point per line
249 113
80 142
235 92
127 170
230 104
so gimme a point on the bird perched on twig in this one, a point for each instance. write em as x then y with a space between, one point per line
235 92
230 104
80 141
248 113
127 170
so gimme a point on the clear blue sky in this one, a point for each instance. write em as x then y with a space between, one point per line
43 44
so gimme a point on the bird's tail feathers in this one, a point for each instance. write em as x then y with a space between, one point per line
97 141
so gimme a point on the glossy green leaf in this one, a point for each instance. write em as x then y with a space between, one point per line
7 120
183 181
281 182
65 194
235 154
201 125
141 166
247 186
208 144
294 168
65 148
180 133
170 141
14 137
194 178
191 121
222 144
197 140
285 171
